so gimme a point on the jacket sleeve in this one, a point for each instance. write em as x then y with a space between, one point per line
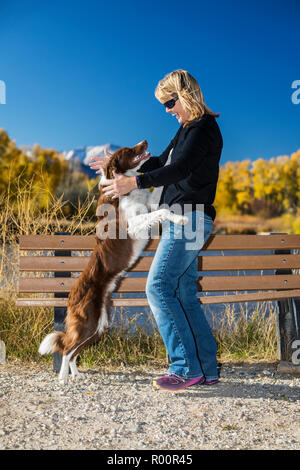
192 152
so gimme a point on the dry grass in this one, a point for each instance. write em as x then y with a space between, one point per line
240 336
250 224
22 330
247 336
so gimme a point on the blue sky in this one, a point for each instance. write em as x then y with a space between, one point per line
84 73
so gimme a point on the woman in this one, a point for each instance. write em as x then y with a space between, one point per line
189 179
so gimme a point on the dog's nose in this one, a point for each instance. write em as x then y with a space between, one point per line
142 142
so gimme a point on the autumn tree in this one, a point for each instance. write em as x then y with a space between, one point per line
266 188
42 171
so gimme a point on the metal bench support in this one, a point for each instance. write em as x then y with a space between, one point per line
60 312
288 320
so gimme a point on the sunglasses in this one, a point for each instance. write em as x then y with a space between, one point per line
171 103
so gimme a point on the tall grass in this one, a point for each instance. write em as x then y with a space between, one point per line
22 330
239 336
247 336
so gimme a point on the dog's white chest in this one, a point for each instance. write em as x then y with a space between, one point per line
135 203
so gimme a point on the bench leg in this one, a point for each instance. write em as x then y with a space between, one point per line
288 321
59 325
60 312
288 331
287 328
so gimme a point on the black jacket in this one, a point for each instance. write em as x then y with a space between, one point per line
192 175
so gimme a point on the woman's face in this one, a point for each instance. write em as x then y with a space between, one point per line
179 112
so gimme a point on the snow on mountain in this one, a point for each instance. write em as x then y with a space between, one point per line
84 154
79 158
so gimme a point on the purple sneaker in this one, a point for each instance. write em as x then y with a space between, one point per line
173 383
210 382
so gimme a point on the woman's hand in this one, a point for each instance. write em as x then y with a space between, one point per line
97 163
120 185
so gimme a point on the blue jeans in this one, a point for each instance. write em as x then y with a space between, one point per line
172 295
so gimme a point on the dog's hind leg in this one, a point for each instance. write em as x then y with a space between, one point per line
70 360
64 370
74 371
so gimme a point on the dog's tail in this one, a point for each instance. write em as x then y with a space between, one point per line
52 343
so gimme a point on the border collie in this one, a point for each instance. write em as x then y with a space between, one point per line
89 299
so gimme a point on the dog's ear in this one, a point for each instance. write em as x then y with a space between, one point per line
114 168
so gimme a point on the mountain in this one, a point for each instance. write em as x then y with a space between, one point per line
79 158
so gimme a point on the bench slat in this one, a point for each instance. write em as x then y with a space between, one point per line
138 284
55 302
64 242
215 242
265 282
244 262
252 242
248 297
205 263
70 263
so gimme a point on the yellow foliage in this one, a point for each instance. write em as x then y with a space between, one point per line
296 226
234 187
44 170
270 187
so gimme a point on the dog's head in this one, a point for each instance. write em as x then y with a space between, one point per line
125 159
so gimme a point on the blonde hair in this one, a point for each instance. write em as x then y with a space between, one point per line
185 86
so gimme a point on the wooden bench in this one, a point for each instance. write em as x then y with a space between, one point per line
227 264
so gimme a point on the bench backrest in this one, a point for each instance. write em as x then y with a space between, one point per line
223 268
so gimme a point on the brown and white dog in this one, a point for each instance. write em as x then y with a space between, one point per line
89 299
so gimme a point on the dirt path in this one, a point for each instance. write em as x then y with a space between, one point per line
253 407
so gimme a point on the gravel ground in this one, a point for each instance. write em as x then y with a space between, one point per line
252 407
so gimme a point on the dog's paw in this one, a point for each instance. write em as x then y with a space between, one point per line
78 376
180 219
132 232
63 381
184 220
